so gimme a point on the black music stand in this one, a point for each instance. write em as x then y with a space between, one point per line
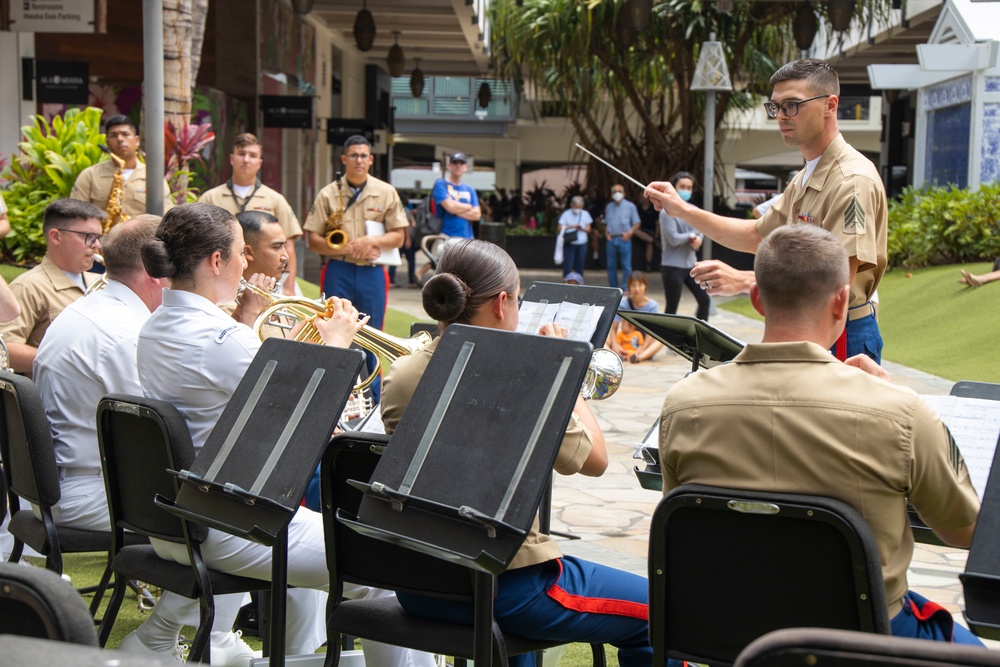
697 341
981 579
607 298
463 474
249 478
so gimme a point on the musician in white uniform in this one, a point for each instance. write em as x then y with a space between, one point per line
194 356
89 351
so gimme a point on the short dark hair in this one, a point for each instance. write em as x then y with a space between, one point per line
818 73
683 174
357 140
188 234
252 222
121 247
637 277
798 267
120 119
469 274
63 211
247 139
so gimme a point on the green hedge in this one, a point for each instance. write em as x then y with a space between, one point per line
944 225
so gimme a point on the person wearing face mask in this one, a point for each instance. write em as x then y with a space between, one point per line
680 243
574 228
622 219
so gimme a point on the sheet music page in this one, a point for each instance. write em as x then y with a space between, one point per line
389 257
580 320
975 425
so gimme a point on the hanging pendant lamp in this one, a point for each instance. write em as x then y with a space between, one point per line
417 80
364 29
395 62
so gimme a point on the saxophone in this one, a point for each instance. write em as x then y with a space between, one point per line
336 238
116 196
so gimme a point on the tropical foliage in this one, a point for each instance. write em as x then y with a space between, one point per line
52 156
182 146
944 225
626 90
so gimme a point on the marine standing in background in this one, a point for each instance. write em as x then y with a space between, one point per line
245 192
94 183
344 206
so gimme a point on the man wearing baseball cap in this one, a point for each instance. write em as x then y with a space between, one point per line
458 204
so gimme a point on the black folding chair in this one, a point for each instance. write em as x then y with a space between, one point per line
728 566
818 647
38 603
358 559
140 439
30 473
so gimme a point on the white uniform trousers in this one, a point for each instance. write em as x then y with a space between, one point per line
306 611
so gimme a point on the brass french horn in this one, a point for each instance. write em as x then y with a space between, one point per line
298 309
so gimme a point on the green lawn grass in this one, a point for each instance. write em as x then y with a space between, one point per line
932 323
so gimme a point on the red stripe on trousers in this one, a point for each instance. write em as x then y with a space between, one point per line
597 605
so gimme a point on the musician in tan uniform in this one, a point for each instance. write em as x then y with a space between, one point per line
94 183
786 416
348 202
245 192
72 234
839 189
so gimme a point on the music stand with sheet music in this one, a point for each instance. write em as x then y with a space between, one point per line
981 579
249 478
605 298
533 314
463 473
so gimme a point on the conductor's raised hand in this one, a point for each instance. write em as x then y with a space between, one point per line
339 328
665 198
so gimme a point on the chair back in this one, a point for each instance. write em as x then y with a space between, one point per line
817 647
727 566
26 443
356 558
140 439
37 603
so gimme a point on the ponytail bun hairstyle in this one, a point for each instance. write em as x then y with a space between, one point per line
469 274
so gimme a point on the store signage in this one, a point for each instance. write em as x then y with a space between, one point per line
61 82
339 130
52 16
288 111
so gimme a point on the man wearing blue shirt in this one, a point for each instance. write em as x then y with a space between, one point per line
458 203
621 219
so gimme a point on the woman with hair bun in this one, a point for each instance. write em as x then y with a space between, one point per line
543 594
193 355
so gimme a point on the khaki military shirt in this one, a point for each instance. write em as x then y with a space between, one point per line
263 199
790 418
845 196
94 185
401 383
379 201
42 292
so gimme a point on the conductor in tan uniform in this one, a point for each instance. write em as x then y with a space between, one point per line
94 183
786 416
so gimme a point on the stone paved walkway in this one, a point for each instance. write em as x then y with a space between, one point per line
611 514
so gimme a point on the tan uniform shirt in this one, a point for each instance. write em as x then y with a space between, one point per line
264 199
401 383
379 201
845 196
790 418
42 292
94 185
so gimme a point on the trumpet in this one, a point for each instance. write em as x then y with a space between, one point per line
604 375
298 309
101 282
